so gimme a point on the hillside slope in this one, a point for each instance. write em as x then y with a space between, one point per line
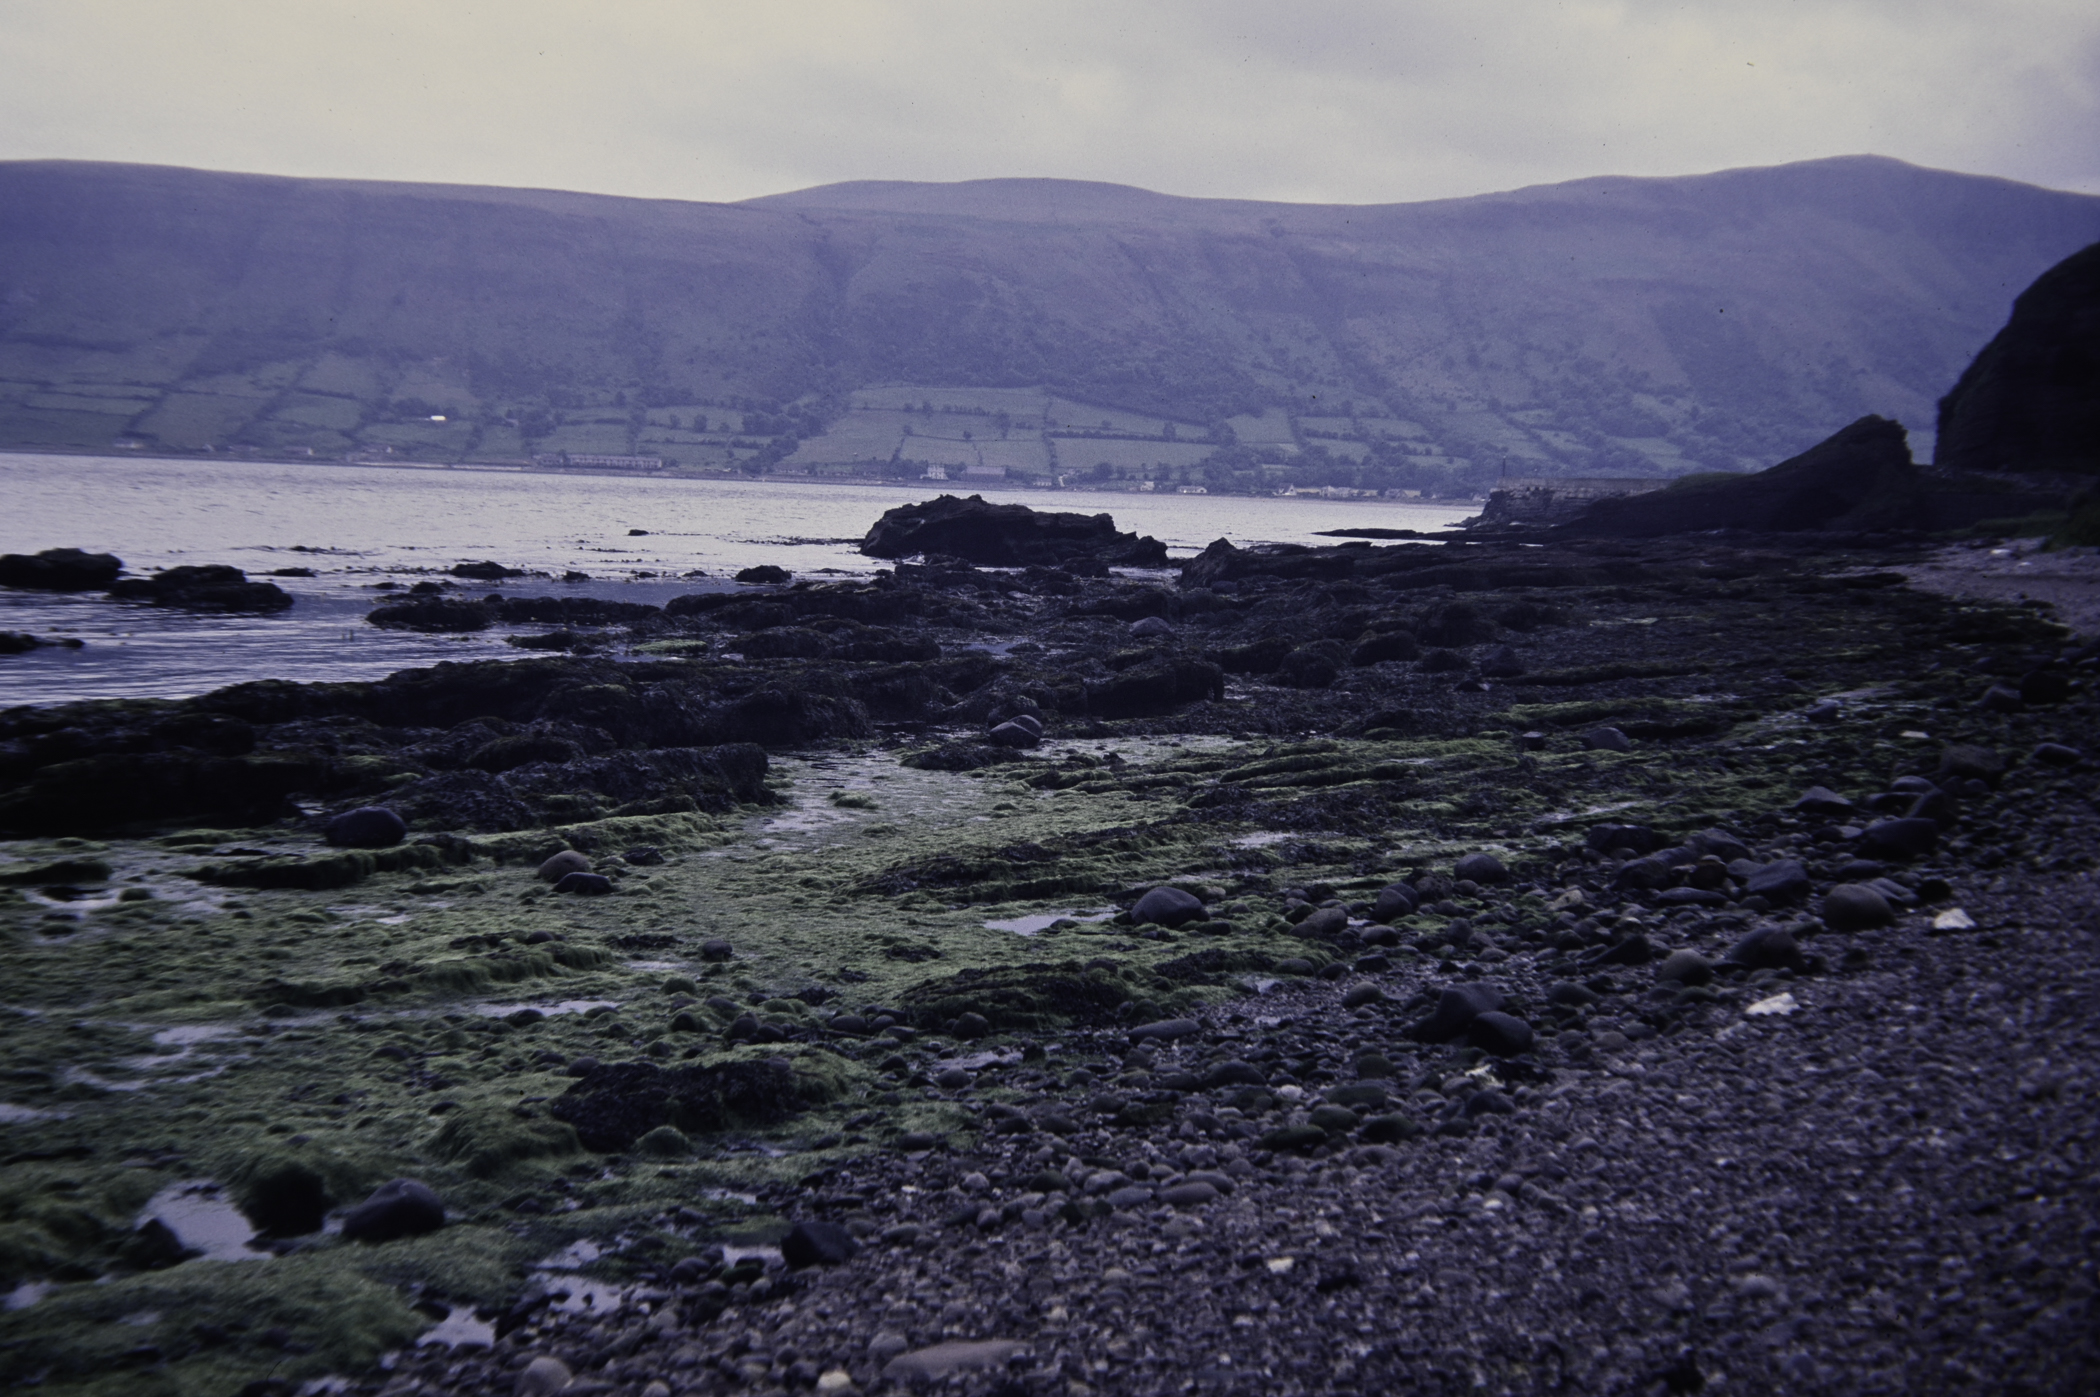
1603 326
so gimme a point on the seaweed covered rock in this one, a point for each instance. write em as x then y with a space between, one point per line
612 1105
432 616
1861 477
59 570
399 1208
367 827
1006 535
2030 401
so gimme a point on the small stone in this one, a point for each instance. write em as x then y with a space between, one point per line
2001 698
1642 875
585 884
1607 739
1504 1035
562 865
1360 994
402 1208
1395 900
716 950
1685 967
1294 965
1780 1004
912 1141
543 1376
1456 1008
1335 1120
1388 1130
835 1383
1855 907
764 574
953 1079
970 1026
1016 735
1907 838
1193 1194
1133 1196
1489 1103
1168 907
1233 1074
817 1243
1572 995
1954 919
1783 881
1324 924
1165 1029
1766 948
1500 662
1827 712
1821 800
953 1357
1295 1139
657 1388
1481 868
888 1344
371 827
1152 628
1358 1094
2056 754
1970 762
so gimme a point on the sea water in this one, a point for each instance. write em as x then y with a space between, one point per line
358 526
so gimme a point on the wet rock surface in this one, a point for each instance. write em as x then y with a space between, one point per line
1486 1057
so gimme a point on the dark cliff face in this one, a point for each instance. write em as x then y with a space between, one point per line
2031 400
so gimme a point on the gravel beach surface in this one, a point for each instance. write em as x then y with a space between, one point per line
1602 968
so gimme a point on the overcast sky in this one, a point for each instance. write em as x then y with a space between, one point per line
1323 100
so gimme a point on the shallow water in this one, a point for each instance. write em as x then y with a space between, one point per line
203 1220
359 525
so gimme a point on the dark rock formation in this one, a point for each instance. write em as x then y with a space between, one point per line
432 615
1860 478
2030 401
212 587
59 570
1005 535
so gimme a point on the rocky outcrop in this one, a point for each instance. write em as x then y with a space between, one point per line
1006 535
59 570
1860 478
211 587
2030 401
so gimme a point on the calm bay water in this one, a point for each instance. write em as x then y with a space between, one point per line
356 526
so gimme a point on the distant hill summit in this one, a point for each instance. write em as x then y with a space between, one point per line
1008 329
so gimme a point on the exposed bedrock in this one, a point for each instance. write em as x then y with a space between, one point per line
2030 401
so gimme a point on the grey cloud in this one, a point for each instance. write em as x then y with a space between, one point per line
1349 100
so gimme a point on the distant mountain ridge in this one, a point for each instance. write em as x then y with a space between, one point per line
1035 327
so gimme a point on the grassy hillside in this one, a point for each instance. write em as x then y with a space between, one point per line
1609 326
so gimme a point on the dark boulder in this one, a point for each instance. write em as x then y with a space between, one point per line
282 1197
781 716
1456 1008
1158 687
585 884
765 574
1482 868
59 570
1005 535
368 827
212 587
1395 900
1907 838
612 1105
401 1208
1309 667
474 800
485 571
817 1243
1387 645
1169 907
1504 1035
431 615
1862 477
2030 401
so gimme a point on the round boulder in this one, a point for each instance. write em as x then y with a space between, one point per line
1504 1035
562 865
587 884
1014 735
1395 900
1152 628
1169 907
1686 967
1855 907
817 1243
1482 868
369 827
402 1208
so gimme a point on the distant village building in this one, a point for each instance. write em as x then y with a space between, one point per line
579 460
984 473
935 473
1192 490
